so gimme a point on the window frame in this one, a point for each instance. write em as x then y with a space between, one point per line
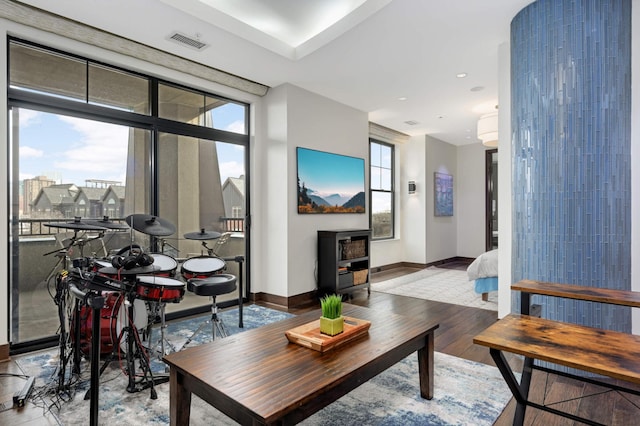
391 191
50 103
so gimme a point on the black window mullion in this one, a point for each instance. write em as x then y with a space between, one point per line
153 94
30 100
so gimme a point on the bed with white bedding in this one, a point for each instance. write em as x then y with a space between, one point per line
484 270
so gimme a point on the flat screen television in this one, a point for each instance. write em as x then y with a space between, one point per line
329 183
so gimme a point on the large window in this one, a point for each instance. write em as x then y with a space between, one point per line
382 195
90 141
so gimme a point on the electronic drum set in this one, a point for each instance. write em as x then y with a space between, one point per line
107 305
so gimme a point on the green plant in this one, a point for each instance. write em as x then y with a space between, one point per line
331 306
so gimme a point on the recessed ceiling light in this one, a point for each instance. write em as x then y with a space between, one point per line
461 75
402 98
477 88
411 122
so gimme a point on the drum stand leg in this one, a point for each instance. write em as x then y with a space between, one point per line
133 339
163 336
134 349
163 330
216 324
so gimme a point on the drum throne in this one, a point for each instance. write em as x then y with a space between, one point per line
212 287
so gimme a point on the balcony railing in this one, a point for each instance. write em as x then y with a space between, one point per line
37 227
232 224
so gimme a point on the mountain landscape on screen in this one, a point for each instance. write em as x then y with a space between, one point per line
329 183
334 203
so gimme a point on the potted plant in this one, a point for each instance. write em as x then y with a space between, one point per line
331 321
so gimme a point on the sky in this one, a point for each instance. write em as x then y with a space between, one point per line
71 150
327 173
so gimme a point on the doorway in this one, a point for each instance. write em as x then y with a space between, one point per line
491 161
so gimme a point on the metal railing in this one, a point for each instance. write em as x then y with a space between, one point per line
38 228
232 224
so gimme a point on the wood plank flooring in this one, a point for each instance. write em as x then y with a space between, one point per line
458 326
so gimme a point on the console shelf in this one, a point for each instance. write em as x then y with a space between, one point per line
343 261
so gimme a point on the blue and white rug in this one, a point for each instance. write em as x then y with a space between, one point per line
466 392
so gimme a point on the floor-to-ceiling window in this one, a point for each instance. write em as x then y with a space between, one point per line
89 141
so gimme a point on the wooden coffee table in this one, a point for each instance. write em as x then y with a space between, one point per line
259 377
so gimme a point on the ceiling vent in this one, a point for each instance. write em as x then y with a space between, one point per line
411 122
187 41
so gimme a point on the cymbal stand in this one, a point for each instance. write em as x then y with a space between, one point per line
104 247
62 291
207 248
163 242
60 299
83 242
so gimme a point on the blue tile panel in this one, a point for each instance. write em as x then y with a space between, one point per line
571 124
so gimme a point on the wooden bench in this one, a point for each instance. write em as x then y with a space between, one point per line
604 352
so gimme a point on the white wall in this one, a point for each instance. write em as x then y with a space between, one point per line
269 208
441 238
285 241
289 119
460 235
413 211
408 242
471 198
504 182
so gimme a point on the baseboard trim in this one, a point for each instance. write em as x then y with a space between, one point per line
311 298
4 353
460 259
382 268
298 301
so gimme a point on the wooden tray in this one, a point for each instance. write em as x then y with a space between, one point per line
309 335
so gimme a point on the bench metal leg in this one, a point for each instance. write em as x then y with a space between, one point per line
520 391
525 383
525 303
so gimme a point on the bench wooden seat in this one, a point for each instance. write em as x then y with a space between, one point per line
601 352
608 353
577 292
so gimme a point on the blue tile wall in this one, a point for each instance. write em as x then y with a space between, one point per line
571 124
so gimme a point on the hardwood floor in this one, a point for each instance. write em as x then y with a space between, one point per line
458 326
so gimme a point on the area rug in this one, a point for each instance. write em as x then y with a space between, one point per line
466 392
440 285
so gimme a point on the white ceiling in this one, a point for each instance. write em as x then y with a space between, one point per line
364 53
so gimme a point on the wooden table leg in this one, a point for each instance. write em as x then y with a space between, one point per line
425 367
179 399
